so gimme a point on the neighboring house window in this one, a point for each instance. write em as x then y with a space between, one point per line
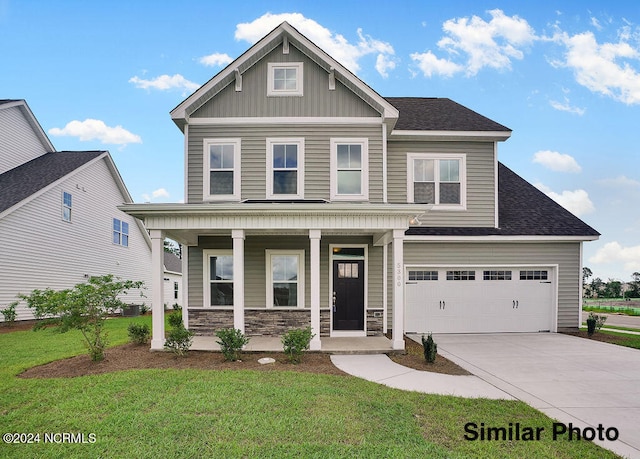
222 169
437 179
176 287
285 278
285 79
120 232
66 206
349 169
285 168
218 277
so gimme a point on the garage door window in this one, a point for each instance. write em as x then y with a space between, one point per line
461 275
423 275
534 275
497 275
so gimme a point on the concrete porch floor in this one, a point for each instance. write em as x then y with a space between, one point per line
363 345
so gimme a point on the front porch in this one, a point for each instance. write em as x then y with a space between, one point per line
330 345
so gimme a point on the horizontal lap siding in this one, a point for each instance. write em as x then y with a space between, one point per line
253 156
18 143
565 255
48 252
480 181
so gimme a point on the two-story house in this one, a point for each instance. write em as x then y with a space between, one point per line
58 215
313 200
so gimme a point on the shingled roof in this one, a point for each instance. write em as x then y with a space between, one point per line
439 114
21 182
523 211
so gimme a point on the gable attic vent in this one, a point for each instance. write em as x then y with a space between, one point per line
238 80
332 79
285 45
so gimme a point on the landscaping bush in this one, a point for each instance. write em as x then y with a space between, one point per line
9 314
175 319
179 340
595 323
295 342
231 342
430 348
139 333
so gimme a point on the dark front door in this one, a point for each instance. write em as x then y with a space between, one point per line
348 295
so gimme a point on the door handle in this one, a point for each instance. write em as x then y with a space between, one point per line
334 302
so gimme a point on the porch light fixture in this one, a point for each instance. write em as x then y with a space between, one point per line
415 220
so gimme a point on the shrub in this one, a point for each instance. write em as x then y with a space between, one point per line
430 348
9 314
144 309
175 319
295 342
139 333
179 340
595 323
231 342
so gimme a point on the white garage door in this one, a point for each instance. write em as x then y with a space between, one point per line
479 300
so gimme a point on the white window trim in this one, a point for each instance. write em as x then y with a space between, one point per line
364 194
301 275
272 66
206 182
128 234
64 206
300 185
206 278
435 156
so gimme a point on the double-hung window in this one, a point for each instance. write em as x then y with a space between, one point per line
66 206
285 79
285 278
218 277
349 169
437 179
285 168
120 232
221 170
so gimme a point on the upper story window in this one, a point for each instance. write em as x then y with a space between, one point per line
66 206
221 170
285 168
285 79
350 169
120 232
437 179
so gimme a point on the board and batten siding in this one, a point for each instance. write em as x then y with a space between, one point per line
564 254
255 275
480 172
41 250
254 153
317 100
18 142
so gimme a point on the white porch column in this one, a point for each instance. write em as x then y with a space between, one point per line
398 289
157 290
314 237
238 279
184 284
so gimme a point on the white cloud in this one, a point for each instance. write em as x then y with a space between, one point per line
620 182
91 129
165 82
336 45
484 44
606 68
577 202
557 161
566 107
613 252
429 64
216 60
159 193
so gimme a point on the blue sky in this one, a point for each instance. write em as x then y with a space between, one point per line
565 78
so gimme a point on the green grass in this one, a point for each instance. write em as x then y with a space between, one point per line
198 413
615 327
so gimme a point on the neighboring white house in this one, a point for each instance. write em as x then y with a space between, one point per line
311 200
59 219
172 280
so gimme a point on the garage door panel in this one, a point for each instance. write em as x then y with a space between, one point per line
477 300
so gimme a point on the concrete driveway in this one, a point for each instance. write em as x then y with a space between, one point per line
573 380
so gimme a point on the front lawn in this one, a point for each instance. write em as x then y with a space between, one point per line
240 413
